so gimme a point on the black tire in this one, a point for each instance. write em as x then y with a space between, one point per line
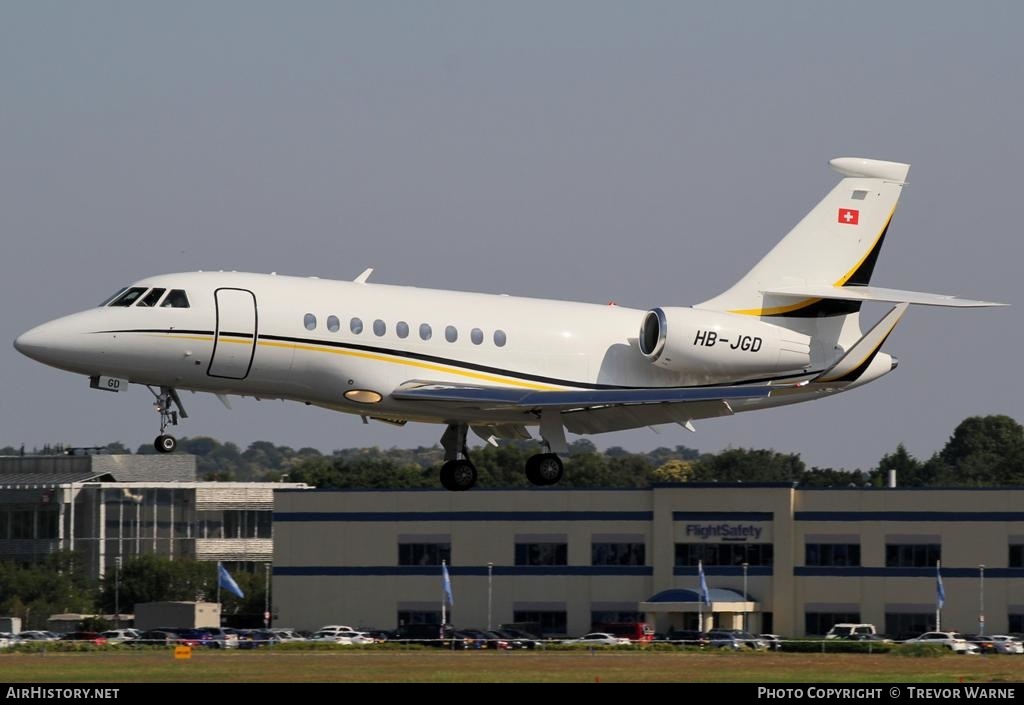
544 469
458 475
165 444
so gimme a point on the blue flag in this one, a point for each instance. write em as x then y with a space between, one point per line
705 595
446 584
940 593
225 580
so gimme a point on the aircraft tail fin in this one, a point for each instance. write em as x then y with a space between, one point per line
835 245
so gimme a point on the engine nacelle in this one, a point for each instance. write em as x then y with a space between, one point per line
710 346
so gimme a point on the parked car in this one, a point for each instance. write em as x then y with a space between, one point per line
161 637
222 637
518 639
256 638
37 635
332 637
596 638
118 636
774 641
879 638
735 639
490 639
1007 644
287 635
847 629
953 640
984 643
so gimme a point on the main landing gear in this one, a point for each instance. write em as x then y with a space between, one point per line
458 473
166 443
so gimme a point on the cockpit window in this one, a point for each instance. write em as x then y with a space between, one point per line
128 296
113 296
151 298
175 299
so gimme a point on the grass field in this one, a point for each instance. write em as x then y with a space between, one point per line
489 666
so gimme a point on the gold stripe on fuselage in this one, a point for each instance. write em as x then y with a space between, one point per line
377 357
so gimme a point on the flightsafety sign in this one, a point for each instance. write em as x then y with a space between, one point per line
743 532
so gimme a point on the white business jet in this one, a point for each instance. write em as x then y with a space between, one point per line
788 331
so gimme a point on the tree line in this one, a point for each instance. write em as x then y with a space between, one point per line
982 451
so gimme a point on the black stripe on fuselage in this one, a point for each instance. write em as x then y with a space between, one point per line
421 357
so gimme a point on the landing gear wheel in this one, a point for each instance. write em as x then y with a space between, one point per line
458 475
165 443
544 469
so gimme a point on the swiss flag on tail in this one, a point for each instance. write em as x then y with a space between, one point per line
849 216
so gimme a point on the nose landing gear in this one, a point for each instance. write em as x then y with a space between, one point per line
166 399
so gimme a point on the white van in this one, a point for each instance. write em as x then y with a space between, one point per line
847 630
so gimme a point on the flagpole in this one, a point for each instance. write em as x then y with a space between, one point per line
443 598
938 603
700 597
218 584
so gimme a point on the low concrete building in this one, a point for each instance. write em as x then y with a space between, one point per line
775 557
111 507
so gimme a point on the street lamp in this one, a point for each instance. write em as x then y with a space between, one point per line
745 598
981 598
490 584
117 592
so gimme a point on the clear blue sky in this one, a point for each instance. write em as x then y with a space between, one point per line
645 152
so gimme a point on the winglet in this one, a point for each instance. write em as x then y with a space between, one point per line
361 279
850 365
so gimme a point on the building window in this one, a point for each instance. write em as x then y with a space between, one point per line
1016 558
907 625
602 618
731 554
832 554
402 329
379 328
246 524
356 326
22 524
550 621
818 623
425 331
333 324
500 338
617 554
451 333
1016 623
914 555
419 617
424 553
542 554
309 321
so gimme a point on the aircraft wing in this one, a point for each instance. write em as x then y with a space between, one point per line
507 398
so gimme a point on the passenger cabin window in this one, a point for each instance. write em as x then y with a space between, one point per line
151 298
499 338
129 296
379 328
451 334
477 336
309 321
402 329
356 325
176 298
425 331
333 324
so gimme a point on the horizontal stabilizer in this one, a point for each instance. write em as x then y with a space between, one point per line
857 358
874 293
511 398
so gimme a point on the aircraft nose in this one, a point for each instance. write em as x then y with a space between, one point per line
34 343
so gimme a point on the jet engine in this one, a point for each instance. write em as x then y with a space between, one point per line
711 346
